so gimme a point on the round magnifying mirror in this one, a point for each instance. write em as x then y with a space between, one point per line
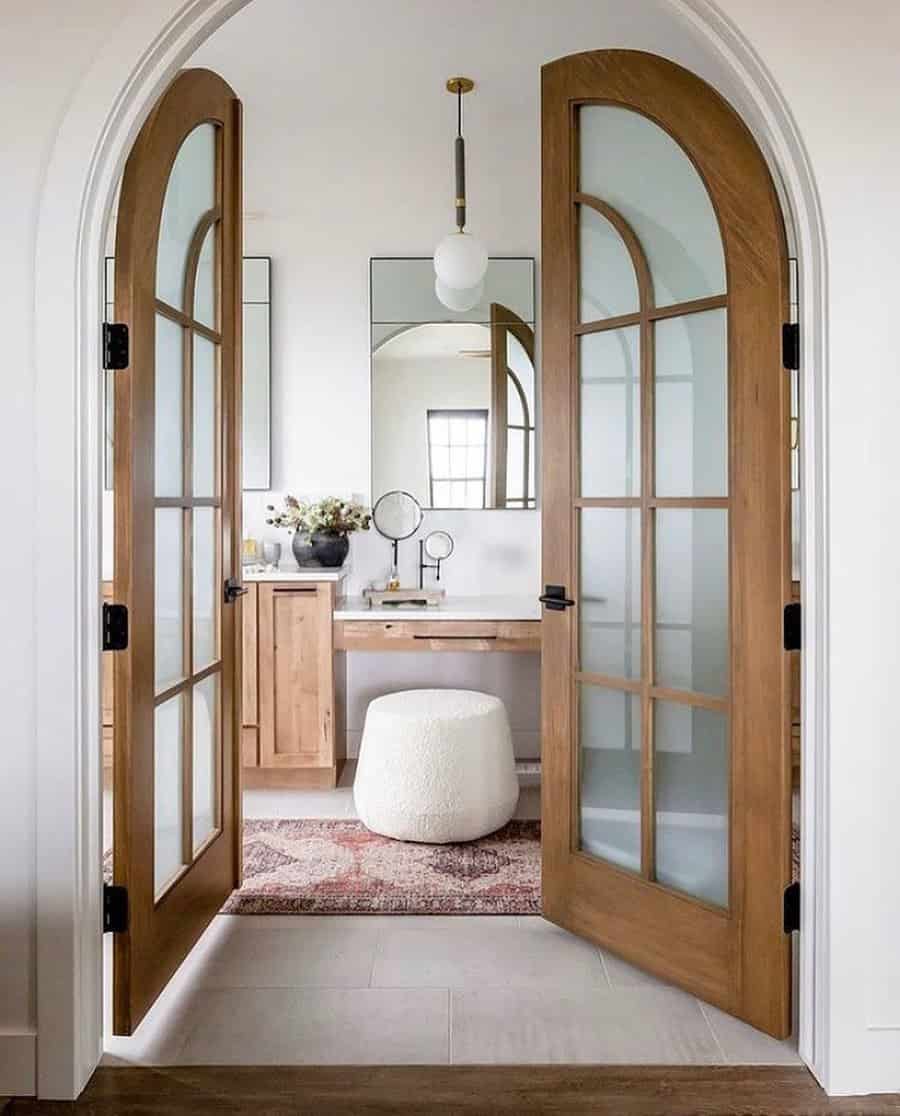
397 515
438 546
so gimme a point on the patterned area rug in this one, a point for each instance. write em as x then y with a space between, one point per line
340 867
278 881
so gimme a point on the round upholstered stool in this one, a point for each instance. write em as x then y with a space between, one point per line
436 766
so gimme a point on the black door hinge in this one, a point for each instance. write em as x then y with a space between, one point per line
554 598
115 627
790 345
793 627
792 908
115 346
115 909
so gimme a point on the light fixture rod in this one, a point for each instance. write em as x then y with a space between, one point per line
460 183
458 86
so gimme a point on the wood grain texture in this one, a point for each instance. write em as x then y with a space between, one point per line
738 959
292 778
365 1090
506 323
161 933
249 651
296 675
437 635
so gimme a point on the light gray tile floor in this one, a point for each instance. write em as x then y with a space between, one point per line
386 989
406 989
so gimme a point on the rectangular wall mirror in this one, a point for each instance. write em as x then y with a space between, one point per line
257 381
257 372
454 395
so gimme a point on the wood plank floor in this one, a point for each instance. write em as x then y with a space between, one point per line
601 1091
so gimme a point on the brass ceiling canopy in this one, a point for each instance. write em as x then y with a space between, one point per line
457 85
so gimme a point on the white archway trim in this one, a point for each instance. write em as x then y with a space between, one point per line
93 141
778 135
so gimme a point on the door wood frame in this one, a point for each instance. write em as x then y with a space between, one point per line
144 51
163 927
735 956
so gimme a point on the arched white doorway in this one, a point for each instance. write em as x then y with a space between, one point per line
143 53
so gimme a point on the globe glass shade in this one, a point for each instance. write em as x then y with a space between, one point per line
460 261
457 300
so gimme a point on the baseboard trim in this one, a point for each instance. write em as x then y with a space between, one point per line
18 1064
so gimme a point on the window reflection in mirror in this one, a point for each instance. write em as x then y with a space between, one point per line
454 396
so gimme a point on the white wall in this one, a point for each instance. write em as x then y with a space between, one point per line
331 180
47 75
836 66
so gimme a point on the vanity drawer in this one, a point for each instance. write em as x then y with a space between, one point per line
437 635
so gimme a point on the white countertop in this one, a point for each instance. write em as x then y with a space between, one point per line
295 573
452 608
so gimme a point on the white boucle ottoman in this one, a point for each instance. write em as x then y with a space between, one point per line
436 766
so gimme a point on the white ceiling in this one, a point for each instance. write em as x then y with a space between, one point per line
371 73
393 53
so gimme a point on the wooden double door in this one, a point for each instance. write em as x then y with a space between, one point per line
176 849
666 717
665 489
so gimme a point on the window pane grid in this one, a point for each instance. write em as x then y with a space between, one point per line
660 805
191 464
457 458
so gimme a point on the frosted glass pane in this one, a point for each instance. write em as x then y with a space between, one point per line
167 794
205 378
169 438
474 494
191 192
610 776
610 375
206 588
532 470
515 415
206 760
691 356
169 605
519 364
691 779
607 278
692 599
515 464
610 596
637 168
205 283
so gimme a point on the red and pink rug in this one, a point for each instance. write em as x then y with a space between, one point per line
340 867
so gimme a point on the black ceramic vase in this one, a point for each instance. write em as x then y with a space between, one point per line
302 548
329 549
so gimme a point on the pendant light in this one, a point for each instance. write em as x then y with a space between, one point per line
460 260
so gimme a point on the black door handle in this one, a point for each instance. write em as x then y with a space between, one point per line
233 590
554 598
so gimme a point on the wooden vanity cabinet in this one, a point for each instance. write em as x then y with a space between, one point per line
289 735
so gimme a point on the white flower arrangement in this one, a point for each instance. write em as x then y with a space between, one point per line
330 516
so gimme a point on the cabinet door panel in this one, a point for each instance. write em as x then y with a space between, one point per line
250 675
296 679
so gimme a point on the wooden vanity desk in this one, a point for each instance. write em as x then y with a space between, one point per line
297 631
468 624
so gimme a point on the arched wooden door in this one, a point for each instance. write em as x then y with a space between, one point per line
177 533
666 759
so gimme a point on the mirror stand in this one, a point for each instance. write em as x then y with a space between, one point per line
423 565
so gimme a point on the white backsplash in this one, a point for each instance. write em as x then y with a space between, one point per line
495 552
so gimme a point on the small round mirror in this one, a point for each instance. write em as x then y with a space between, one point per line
397 515
438 545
